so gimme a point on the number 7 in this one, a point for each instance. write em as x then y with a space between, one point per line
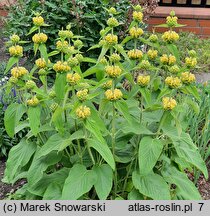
201 205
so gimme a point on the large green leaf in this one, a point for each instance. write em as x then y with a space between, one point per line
53 144
11 62
103 184
79 182
60 84
12 116
39 166
151 185
184 186
34 114
149 152
43 188
53 192
103 149
187 150
19 156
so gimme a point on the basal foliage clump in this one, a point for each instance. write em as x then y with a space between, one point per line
113 131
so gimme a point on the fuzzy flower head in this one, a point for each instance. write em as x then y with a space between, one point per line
18 72
152 54
112 22
61 67
79 57
143 80
14 38
174 69
30 84
188 77
153 38
171 60
34 101
170 36
108 84
113 95
104 61
145 64
41 63
168 103
16 51
62 46
171 21
138 16
115 57
173 82
190 62
73 79
113 71
135 54
112 11
38 21
82 94
78 43
13 80
73 62
111 39
65 34
164 59
83 112
136 32
39 38
53 107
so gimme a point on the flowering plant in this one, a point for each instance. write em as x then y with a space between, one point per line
114 131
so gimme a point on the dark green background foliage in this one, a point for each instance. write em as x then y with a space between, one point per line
87 17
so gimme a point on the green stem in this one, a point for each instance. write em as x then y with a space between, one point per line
88 147
113 148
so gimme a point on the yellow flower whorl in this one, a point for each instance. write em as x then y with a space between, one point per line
169 103
113 95
83 112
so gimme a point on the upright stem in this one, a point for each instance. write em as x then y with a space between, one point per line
113 148
88 147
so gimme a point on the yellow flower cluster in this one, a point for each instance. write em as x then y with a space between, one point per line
111 39
104 61
113 95
145 64
173 82
174 69
112 10
70 50
143 80
171 21
170 36
16 51
138 16
38 21
190 62
78 43
73 61
136 32
135 54
18 72
30 84
15 38
39 38
82 94
41 63
115 57
187 77
79 57
61 67
73 79
83 112
170 60
65 34
107 84
34 101
112 22
13 80
113 71
153 38
169 103
62 46
152 54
